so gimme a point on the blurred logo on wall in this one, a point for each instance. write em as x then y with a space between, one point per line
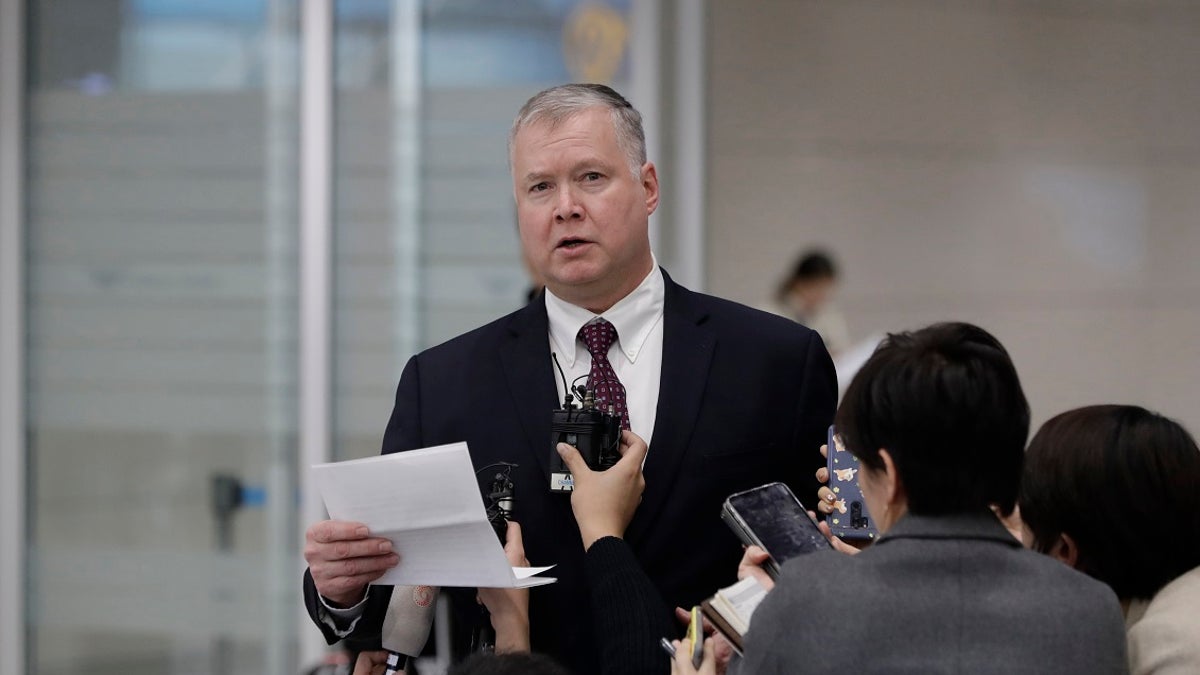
595 37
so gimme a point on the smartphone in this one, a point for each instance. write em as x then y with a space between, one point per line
770 516
850 519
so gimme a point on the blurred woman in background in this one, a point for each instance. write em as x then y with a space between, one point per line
806 296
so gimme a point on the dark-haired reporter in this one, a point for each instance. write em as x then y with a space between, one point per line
1114 491
938 419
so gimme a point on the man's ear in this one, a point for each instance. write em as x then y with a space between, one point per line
650 185
893 489
1065 551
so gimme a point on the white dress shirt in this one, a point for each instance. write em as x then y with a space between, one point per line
636 355
636 358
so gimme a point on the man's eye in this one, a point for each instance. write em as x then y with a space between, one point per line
540 187
592 175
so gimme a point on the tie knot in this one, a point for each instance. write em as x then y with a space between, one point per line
598 336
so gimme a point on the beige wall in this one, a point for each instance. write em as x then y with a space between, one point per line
1033 167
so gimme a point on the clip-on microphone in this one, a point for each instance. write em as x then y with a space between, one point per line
501 504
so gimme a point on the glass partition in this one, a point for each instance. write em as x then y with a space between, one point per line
162 336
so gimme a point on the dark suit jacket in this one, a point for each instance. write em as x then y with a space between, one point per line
953 594
746 398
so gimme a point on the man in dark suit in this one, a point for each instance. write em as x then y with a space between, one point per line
728 397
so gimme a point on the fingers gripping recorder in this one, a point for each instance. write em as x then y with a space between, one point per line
596 433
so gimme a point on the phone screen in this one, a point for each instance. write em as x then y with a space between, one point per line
778 520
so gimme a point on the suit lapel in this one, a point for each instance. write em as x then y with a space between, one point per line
525 357
688 346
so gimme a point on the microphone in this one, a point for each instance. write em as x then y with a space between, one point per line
406 624
501 503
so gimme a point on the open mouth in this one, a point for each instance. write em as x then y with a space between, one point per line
572 243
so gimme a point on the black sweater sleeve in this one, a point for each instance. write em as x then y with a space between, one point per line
629 614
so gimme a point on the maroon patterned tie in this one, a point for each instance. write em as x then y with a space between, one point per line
599 335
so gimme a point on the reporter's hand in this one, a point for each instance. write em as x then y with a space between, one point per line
604 501
722 649
839 544
823 472
509 607
682 663
344 559
371 663
751 565
825 496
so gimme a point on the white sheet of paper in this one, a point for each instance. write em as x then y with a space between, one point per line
427 503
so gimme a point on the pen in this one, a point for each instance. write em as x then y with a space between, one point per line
667 646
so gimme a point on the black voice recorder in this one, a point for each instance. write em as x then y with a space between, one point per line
595 432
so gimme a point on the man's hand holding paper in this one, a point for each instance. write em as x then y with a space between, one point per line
426 503
344 559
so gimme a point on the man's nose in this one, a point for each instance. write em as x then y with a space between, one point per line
568 207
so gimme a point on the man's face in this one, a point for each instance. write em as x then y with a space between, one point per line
584 218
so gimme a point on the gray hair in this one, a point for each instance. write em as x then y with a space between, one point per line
556 105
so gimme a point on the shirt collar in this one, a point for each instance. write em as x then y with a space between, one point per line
634 316
980 524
